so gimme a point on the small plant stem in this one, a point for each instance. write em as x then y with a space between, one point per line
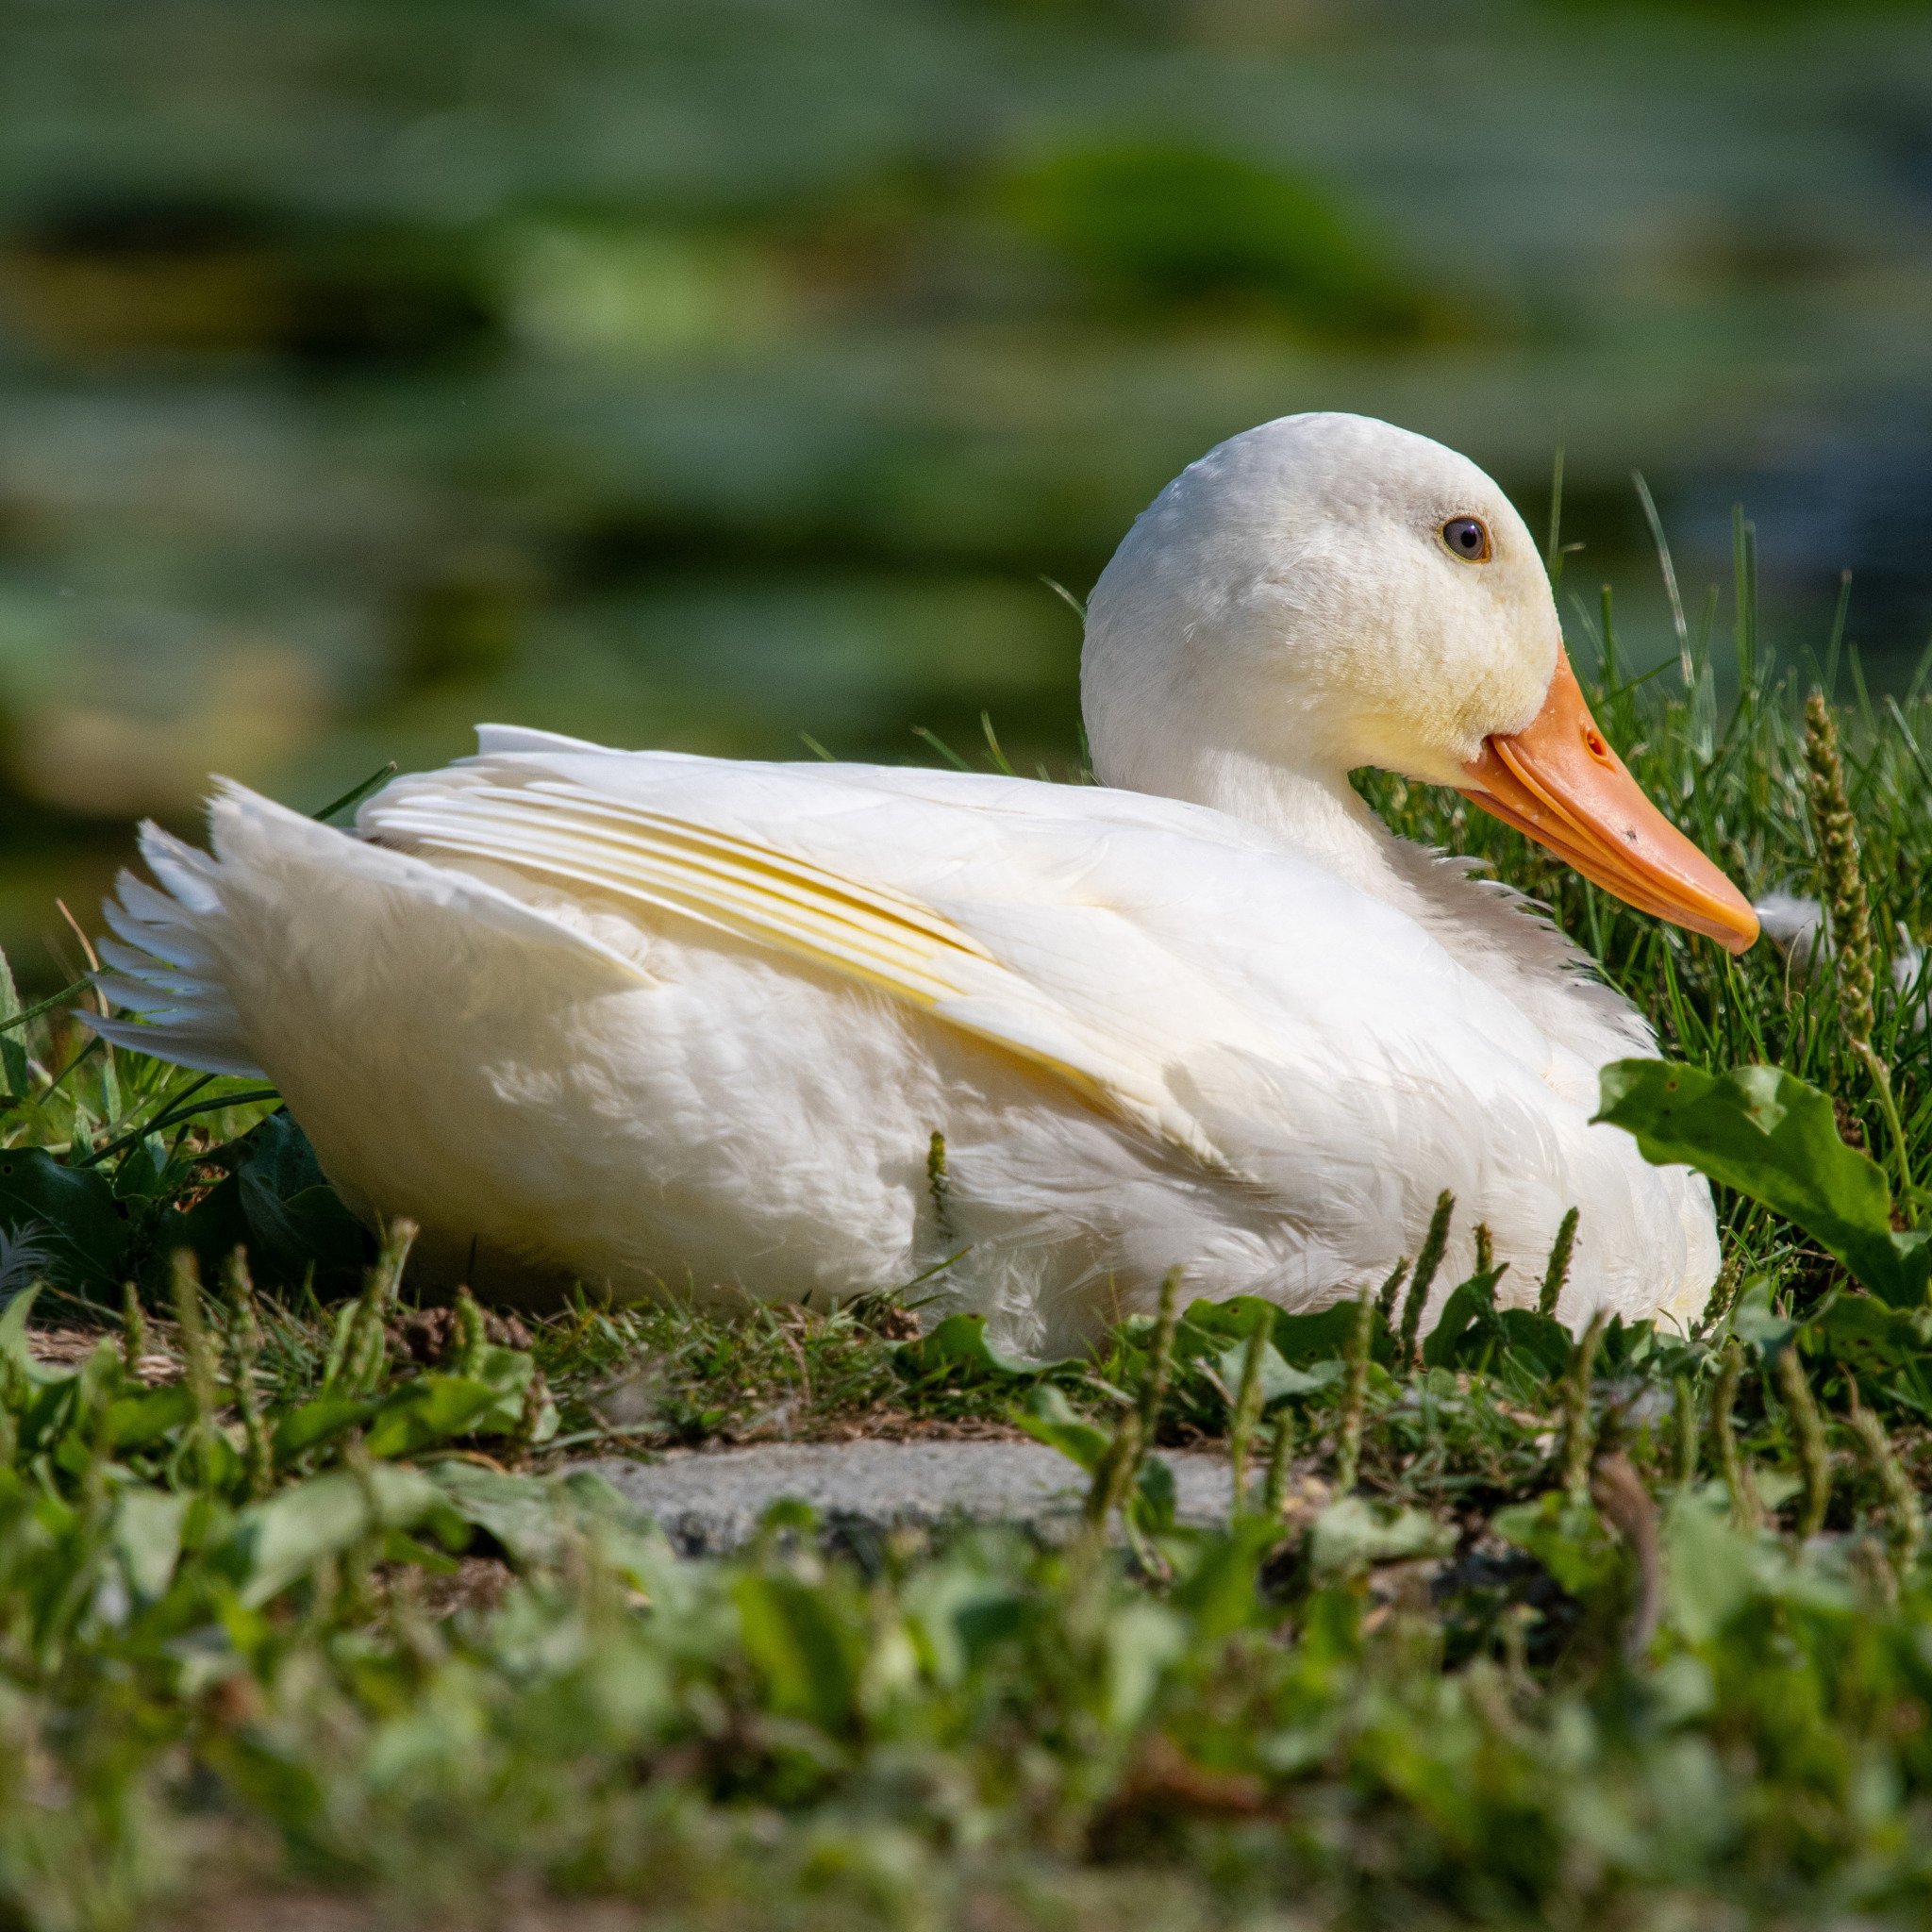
368 1342
100 1377
57 1620
1849 914
388 1275
1160 1363
362 1358
1814 1459
529 1417
1114 1476
472 1338
1894 1127
1391 1287
245 1341
1119 1467
1687 1432
133 1337
1901 1501
936 1185
1485 1249
198 1367
1579 1437
1248 1412
1425 1265
1844 878
1280 1449
1745 1507
1557 1274
1348 1458
359 1560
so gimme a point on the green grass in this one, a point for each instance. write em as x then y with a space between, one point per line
296 1604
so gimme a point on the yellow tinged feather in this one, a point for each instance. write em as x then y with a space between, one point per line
878 937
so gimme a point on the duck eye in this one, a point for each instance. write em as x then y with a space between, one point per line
1467 538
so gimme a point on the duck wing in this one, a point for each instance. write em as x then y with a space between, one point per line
1062 925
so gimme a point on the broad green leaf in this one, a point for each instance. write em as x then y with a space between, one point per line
1221 1592
1325 1336
277 1204
961 1339
1153 1500
21 1532
1142 1640
506 1370
224 1464
1355 1532
211 1230
626 1535
1215 1328
1888 1349
615 1698
308 1229
791 1513
1566 1538
1753 1321
280 1156
399 1546
509 1372
520 1511
315 1421
146 1537
136 1420
258 1765
1209 1327
1767 1133
13 1340
1712 1569
809 1657
1278 1381
955 1614
12 1048
1467 1325
274 1542
81 1225
1048 1417
535 1518
1715 1570
1539 1340
1301 1747
431 1409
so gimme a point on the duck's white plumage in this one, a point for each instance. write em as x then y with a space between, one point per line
653 1022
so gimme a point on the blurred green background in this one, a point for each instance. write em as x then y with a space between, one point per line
700 375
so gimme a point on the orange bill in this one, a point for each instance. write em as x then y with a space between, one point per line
1560 783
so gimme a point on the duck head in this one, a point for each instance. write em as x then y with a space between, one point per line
1327 592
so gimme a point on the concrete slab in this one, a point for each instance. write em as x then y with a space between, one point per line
708 1502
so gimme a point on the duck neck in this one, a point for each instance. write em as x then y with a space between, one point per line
1317 813
1485 931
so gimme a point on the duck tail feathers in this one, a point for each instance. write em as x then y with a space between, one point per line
164 966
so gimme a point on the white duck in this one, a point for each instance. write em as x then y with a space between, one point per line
653 1022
